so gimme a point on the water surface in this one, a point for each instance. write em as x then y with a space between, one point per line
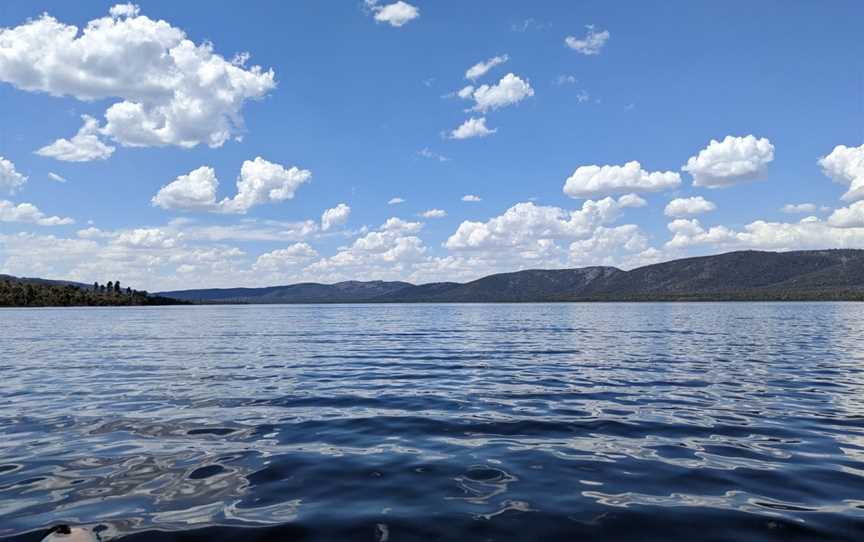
423 422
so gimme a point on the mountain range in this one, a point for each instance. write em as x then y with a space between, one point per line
836 274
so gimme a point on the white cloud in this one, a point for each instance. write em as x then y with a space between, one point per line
396 14
731 161
609 246
85 146
146 238
465 92
809 233
29 214
124 10
426 152
264 182
259 182
55 177
471 197
591 44
335 217
795 208
171 91
387 253
292 257
590 181
511 89
848 217
526 224
473 127
434 213
566 80
845 165
395 201
688 206
10 179
193 192
482 68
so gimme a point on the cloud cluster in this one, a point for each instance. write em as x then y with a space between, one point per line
28 213
10 179
396 14
848 217
171 91
434 213
592 181
809 233
85 146
679 207
471 198
260 181
473 127
482 68
845 165
526 224
335 217
731 161
286 259
591 44
510 90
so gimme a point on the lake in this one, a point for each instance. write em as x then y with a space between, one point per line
727 421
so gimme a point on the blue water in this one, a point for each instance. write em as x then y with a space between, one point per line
659 422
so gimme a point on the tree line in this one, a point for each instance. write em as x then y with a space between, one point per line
26 293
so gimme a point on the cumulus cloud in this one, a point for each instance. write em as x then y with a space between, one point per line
590 181
289 258
388 252
848 217
466 92
591 44
688 206
471 198
610 246
195 191
795 208
260 181
10 179
396 14
845 165
434 213
510 90
809 233
85 146
29 214
395 201
473 127
264 182
731 161
146 238
526 224
171 91
335 217
55 177
482 68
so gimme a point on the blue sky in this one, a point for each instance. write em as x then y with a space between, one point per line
361 98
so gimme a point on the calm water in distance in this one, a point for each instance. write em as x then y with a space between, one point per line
727 421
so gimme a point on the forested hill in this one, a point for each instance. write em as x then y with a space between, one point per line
29 292
744 275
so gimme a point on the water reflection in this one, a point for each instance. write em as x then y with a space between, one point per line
494 419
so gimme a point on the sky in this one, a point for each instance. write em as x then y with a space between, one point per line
197 144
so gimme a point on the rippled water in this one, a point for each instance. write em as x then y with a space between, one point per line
423 422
